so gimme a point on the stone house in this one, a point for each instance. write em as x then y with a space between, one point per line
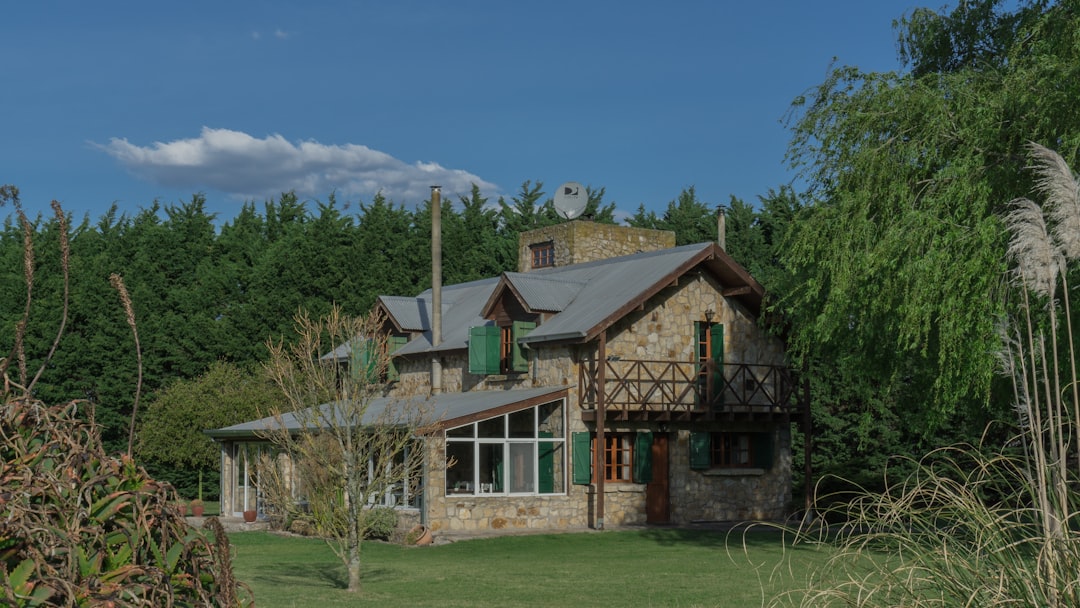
615 379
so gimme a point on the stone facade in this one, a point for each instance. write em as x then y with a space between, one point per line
662 330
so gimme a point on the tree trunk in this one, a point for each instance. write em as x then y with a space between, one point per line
353 536
354 560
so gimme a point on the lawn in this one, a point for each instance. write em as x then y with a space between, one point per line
655 567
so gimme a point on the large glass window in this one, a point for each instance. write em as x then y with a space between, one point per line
518 453
245 473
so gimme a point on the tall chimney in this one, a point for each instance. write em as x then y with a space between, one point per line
721 229
436 287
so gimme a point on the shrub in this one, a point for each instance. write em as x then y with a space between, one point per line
380 523
78 527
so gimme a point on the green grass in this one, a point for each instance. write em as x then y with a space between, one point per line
661 567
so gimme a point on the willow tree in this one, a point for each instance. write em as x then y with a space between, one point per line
895 269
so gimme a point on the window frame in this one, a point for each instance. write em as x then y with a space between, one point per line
543 254
729 450
506 453
618 457
759 451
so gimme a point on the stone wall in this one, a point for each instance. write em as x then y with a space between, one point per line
730 494
580 241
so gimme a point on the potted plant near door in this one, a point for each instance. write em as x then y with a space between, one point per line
250 515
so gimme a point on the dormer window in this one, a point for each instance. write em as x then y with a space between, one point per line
495 350
366 358
543 254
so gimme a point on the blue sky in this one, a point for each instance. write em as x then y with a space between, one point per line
128 102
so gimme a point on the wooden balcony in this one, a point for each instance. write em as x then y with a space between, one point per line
639 390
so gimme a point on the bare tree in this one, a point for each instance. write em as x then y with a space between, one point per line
342 445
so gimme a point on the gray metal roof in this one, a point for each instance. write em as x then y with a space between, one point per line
461 307
548 294
608 286
410 312
447 408
583 297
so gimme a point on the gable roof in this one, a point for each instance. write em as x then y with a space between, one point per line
585 298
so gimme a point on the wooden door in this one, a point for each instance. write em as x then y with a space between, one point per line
657 497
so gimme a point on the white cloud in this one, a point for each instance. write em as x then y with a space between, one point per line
281 34
249 168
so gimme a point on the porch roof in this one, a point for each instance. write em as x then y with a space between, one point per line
448 409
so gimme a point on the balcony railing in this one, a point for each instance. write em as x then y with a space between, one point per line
674 390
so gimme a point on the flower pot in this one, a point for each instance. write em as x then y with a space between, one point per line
250 515
197 509
418 535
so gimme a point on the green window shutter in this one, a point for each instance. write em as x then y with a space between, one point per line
763 450
392 344
700 444
497 471
643 457
582 446
717 354
520 329
484 349
546 469
363 361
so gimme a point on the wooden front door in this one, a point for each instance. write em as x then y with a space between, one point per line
657 500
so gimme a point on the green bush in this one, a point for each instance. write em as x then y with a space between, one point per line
380 523
80 527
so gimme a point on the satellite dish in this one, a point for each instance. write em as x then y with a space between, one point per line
570 200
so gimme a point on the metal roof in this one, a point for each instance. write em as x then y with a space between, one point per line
541 293
448 408
585 298
609 285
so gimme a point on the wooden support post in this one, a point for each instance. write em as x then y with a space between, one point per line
601 404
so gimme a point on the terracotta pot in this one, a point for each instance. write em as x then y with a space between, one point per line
197 509
250 515
419 535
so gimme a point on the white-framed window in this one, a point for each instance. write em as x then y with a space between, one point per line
245 495
523 452
404 494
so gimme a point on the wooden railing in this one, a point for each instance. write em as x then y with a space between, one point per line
677 389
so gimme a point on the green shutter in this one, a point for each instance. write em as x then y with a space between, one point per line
643 457
582 456
519 363
546 462
763 450
497 471
700 444
363 361
392 344
484 349
717 343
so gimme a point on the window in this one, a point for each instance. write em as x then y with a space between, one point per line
365 361
710 346
618 457
543 254
730 450
518 453
495 350
627 457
